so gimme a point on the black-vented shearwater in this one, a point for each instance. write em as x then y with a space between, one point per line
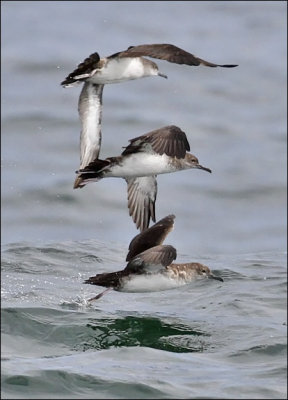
118 67
150 265
161 151
130 64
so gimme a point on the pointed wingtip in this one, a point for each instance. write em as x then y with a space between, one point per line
229 65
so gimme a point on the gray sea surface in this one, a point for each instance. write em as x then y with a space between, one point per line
206 339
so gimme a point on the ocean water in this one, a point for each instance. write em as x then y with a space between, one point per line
207 339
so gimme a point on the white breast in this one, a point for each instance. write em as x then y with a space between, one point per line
142 164
119 70
149 283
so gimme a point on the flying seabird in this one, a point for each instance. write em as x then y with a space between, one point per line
160 151
130 64
119 67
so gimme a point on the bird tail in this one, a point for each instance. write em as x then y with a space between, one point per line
109 279
83 178
78 183
91 173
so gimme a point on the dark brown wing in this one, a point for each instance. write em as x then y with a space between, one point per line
152 260
168 52
169 140
142 193
84 69
153 236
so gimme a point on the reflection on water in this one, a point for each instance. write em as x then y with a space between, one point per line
45 317
104 333
145 332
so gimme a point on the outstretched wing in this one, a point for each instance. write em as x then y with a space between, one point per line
169 140
90 113
152 260
153 236
169 52
142 193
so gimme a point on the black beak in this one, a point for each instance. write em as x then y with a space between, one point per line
204 168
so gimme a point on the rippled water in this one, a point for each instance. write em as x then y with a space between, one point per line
204 340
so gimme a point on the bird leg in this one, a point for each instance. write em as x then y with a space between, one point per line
100 294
